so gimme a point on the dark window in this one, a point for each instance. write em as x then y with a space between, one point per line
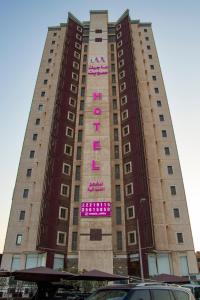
78 153
25 193
98 40
132 237
130 212
85 48
170 170
116 135
127 148
113 78
159 103
45 81
76 193
37 122
173 190
115 119
51 51
75 216
78 173
80 136
161 118
119 240
145 30
180 295
161 294
117 193
150 56
32 154
53 42
98 31
118 216
22 215
179 237
112 68
83 79
49 60
42 94
164 133
66 169
112 47
142 295
63 213
82 104
69 132
80 120
156 90
85 57
176 213
112 57
47 70
40 107
152 67
117 172
95 234
82 92
167 151
84 68
154 77
114 90
65 190
28 172
61 238
55 33
148 47
116 151
74 240
146 38
114 103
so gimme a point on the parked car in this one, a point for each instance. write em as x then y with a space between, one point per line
195 289
143 291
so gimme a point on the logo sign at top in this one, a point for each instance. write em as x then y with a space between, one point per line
97 66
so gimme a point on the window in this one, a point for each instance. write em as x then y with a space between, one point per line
130 212
80 136
47 70
122 87
170 170
113 78
75 65
78 173
25 193
128 167
68 150
123 100
112 68
125 115
77 46
69 132
154 78
159 103
66 169
116 135
152 67
40 107
117 172
28 172
84 69
161 118
98 31
161 294
112 48
118 216
49 60
118 27
173 190
164 133
72 102
85 57
37 122
74 240
119 44
114 91
79 37
63 213
150 56
125 130
45 81
119 240
77 55
167 151
71 116
80 123
19 239
121 63
51 51
58 262
32 154
85 48
76 193
121 74
78 153
112 57
132 237
119 34
83 79
129 189
120 53
64 190
116 152
74 76
75 216
79 29
115 119
180 295
148 47
114 103
61 238
53 42
147 38
176 213
82 104
22 215
179 236
156 90
117 193
98 40
127 148
82 92
73 88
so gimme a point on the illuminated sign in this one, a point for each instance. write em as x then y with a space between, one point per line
96 186
97 66
95 209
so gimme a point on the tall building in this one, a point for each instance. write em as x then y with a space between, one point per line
99 184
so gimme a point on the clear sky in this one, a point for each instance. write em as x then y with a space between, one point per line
176 25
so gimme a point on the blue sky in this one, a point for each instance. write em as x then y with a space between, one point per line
23 30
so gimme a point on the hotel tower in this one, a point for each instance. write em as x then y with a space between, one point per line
99 183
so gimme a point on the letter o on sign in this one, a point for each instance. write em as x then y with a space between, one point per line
97 111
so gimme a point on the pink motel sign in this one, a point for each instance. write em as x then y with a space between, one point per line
95 209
